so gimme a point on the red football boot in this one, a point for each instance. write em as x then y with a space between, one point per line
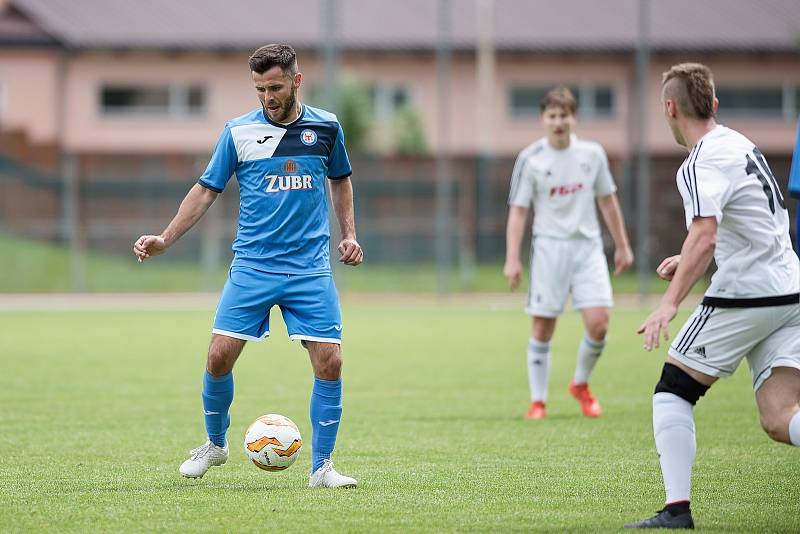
536 411
589 405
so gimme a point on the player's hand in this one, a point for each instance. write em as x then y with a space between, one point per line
667 269
512 270
351 252
657 324
149 245
623 259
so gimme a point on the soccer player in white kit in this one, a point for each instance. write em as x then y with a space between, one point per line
736 215
563 176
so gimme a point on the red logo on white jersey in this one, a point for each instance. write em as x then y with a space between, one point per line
565 190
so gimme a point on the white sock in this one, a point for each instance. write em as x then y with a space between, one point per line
794 429
673 427
538 369
588 354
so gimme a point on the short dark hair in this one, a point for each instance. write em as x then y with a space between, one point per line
559 96
695 95
272 55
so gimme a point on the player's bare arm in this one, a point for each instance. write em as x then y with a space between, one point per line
696 255
515 229
666 270
192 208
612 215
342 197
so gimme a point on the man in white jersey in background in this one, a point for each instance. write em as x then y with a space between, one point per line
736 215
562 176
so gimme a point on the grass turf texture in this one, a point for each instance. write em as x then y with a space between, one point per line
98 410
33 266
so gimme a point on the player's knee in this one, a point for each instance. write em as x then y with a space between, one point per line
328 363
776 426
676 381
334 367
771 427
598 330
220 359
542 329
217 364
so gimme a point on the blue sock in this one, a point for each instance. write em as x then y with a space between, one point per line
217 399
326 411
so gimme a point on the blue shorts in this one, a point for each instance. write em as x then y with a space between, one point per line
309 304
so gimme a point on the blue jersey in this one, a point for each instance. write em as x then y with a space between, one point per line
794 174
283 204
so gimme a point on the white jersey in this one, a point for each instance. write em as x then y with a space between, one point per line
727 177
562 185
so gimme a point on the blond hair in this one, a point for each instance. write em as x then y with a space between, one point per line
694 93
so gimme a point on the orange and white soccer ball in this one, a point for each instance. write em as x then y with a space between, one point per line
273 442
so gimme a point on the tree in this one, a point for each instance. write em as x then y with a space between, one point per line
353 110
409 137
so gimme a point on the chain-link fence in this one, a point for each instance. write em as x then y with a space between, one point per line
100 204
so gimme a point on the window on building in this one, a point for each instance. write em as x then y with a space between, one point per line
385 100
525 100
600 102
757 102
158 100
594 102
382 100
796 110
3 105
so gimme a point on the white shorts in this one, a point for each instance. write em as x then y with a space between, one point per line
714 340
563 266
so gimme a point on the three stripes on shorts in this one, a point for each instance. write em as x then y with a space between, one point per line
682 345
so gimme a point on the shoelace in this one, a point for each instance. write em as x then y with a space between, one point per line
327 466
200 451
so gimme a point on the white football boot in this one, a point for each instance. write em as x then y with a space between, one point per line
327 477
203 458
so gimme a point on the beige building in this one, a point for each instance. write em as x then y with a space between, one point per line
138 91
107 76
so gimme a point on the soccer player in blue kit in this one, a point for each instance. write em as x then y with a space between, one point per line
282 153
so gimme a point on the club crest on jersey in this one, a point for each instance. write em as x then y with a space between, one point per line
308 137
288 180
289 166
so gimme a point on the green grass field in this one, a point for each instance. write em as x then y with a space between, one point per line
33 266
98 409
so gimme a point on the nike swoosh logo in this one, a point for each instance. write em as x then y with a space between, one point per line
205 412
338 327
329 422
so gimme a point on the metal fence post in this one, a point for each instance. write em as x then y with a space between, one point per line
444 186
71 221
642 156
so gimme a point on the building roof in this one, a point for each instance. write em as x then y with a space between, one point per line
18 29
519 25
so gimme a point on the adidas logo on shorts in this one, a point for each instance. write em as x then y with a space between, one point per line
701 351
